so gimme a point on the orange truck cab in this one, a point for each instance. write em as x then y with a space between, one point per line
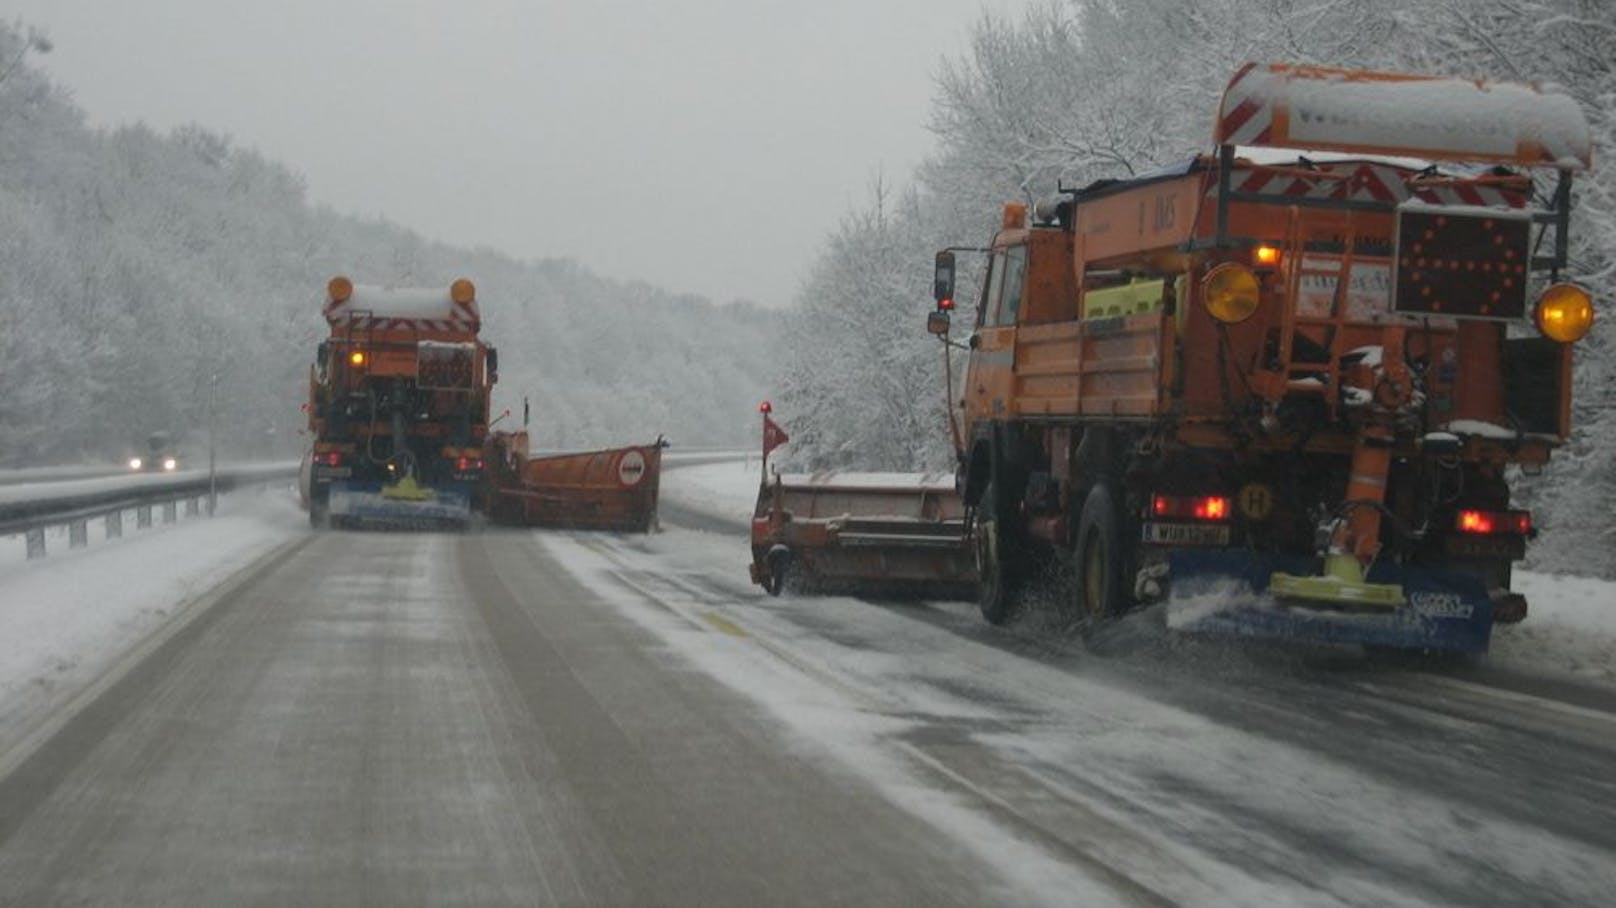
1284 385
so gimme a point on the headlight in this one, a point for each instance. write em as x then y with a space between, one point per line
1564 313
135 463
1230 292
170 463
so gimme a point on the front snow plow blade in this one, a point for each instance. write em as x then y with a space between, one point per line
889 534
400 505
614 489
1241 594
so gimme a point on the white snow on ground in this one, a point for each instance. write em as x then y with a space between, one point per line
1570 630
727 490
1570 626
33 491
68 617
60 487
47 474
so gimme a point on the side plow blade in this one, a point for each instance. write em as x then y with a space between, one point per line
613 489
880 534
1240 594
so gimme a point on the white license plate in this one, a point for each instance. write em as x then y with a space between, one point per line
1186 534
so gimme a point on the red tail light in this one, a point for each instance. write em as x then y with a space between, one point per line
469 463
329 458
1212 507
1494 523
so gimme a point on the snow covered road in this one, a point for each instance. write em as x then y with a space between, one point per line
531 717
392 719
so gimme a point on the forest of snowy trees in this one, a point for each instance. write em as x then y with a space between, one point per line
1076 90
135 267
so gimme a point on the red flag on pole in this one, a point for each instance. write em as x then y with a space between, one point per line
773 435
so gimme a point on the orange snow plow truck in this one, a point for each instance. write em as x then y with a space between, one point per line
1285 386
399 398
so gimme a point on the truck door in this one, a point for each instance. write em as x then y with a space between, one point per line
992 366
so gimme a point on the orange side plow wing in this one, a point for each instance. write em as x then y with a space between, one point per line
613 489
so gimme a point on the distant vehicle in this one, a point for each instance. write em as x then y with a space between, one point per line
399 411
160 455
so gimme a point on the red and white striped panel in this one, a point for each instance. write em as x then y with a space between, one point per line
1246 115
1368 182
463 318
456 326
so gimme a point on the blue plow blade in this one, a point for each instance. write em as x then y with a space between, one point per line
1225 593
365 502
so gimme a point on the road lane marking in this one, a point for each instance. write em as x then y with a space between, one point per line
724 624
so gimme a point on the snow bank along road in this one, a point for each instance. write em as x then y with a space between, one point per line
524 718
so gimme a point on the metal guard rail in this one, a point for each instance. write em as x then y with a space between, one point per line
30 517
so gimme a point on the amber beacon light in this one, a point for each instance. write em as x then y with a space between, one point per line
1230 293
1564 313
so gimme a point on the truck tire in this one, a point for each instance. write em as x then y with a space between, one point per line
996 576
1100 558
779 562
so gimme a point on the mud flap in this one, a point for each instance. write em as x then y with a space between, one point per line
1226 593
367 503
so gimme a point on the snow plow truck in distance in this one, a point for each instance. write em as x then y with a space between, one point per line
1285 386
398 406
399 397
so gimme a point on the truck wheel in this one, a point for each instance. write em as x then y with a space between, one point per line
319 510
779 562
1099 589
996 587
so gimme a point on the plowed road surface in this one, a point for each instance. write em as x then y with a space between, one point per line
527 718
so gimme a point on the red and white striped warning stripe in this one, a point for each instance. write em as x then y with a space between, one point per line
462 318
1246 116
1368 182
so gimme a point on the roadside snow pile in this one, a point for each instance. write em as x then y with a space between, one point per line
726 490
1570 628
67 618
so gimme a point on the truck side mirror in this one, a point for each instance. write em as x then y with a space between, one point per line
943 280
493 365
937 322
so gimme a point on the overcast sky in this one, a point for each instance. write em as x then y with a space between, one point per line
706 146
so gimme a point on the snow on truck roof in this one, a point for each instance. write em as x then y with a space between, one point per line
1358 111
401 302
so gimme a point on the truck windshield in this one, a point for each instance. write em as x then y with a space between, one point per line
1015 273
